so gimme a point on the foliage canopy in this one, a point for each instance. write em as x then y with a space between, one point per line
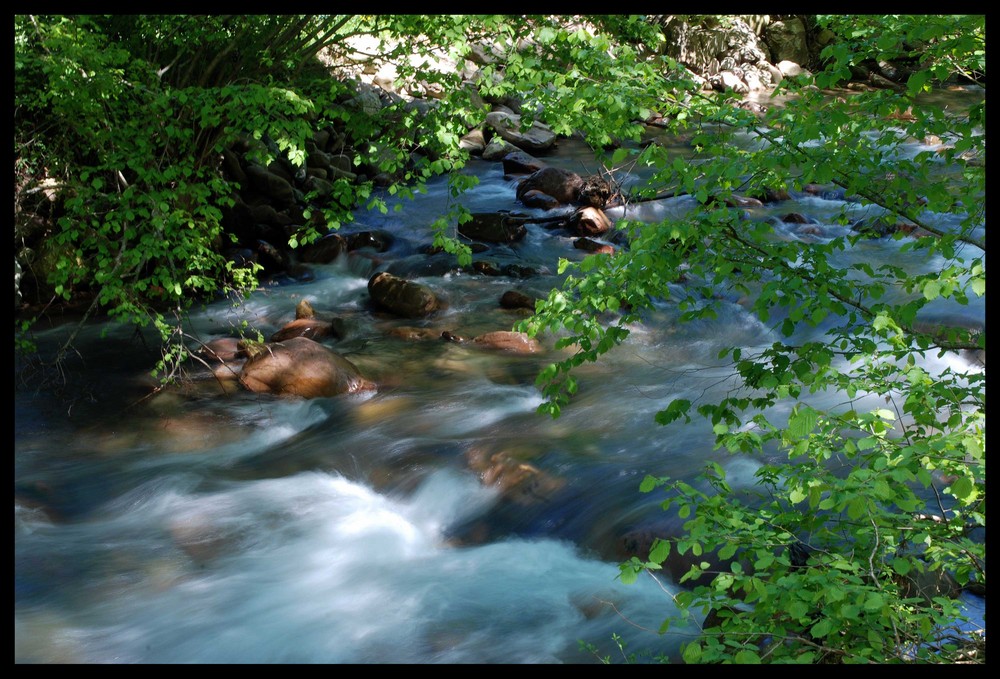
127 115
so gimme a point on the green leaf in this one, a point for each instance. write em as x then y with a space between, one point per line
660 552
932 289
797 495
802 422
821 628
874 602
619 155
856 508
746 657
962 487
798 610
648 483
691 653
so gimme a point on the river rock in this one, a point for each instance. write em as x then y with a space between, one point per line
494 227
271 185
787 41
473 142
538 137
593 247
562 185
302 367
402 297
498 149
325 250
380 241
512 299
519 162
509 341
537 199
312 328
518 481
589 221
222 349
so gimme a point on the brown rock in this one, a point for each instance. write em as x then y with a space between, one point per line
222 349
520 482
494 227
520 162
506 340
590 221
408 332
302 367
593 247
537 199
795 218
402 297
563 185
512 299
312 328
324 250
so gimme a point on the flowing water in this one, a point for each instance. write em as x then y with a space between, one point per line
206 527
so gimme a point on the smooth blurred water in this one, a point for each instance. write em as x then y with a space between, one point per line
201 527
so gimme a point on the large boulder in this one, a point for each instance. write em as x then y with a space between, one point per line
323 251
565 186
301 367
271 185
787 41
402 297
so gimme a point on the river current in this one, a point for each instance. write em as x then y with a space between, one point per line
196 526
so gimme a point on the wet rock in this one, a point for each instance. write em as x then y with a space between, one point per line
494 227
512 299
562 185
486 268
589 221
795 218
222 349
518 482
519 162
537 199
593 247
538 137
402 297
323 251
411 333
302 367
519 271
377 240
509 341
311 328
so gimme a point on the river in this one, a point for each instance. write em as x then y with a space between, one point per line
202 527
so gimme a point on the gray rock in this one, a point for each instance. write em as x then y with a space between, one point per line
787 40
538 137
